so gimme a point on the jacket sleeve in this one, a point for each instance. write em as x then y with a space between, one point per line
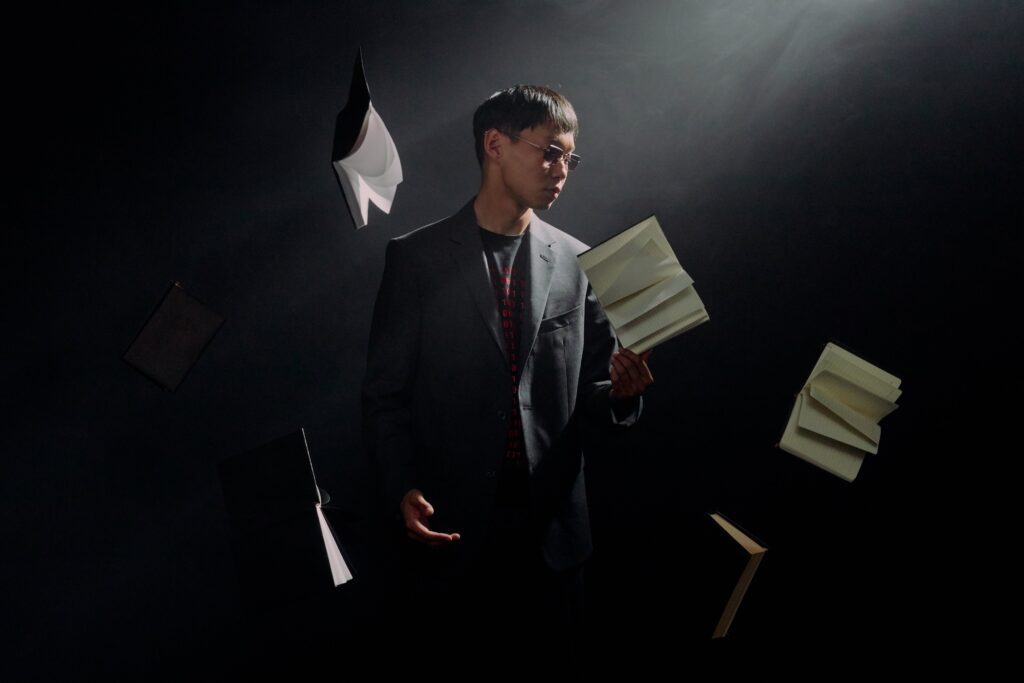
388 385
599 343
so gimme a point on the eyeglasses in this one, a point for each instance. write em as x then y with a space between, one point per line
553 153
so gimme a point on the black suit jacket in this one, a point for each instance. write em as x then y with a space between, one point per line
437 391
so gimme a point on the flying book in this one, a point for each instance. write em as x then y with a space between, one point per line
646 294
364 157
282 540
834 421
724 560
172 339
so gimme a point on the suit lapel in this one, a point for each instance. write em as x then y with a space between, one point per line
541 266
468 254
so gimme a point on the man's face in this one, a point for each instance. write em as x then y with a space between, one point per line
530 180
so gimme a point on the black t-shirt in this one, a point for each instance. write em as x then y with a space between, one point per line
507 268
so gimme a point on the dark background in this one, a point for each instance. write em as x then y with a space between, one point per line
844 171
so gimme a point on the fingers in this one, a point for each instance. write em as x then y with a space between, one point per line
629 373
430 543
416 512
424 533
419 532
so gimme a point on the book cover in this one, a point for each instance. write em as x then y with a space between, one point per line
173 338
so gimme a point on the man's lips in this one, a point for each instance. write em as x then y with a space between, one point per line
554 190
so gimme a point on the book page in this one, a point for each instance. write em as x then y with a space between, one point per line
593 257
373 169
667 333
632 307
816 416
680 306
838 459
339 570
867 367
603 274
853 394
859 372
649 266
864 380
645 292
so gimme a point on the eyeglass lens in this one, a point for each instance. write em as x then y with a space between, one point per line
553 154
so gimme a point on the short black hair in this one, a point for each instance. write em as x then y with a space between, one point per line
520 107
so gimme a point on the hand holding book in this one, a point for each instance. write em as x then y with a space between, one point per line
630 374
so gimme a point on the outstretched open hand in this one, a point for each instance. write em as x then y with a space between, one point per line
415 510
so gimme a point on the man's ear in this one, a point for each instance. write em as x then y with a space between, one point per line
494 144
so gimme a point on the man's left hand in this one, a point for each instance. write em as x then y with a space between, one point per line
630 374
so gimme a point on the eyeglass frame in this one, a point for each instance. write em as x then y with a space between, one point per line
572 161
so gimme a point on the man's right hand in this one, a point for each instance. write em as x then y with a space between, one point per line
415 510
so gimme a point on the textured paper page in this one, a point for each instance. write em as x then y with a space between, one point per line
854 393
863 424
870 378
609 263
651 265
594 258
645 292
660 336
867 367
866 381
373 168
819 418
339 570
675 309
632 307
833 457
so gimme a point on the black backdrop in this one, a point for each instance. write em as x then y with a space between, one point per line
825 170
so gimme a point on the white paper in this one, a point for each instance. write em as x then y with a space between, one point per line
632 307
822 414
372 170
645 292
339 570
833 457
683 305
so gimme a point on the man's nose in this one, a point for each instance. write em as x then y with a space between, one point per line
560 168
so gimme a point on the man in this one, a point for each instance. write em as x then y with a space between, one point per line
488 357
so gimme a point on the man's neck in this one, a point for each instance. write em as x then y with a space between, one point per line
501 214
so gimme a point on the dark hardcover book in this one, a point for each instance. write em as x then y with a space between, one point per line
173 338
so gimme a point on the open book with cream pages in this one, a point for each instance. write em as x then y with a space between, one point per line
646 294
834 421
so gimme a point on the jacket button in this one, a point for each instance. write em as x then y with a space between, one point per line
501 414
